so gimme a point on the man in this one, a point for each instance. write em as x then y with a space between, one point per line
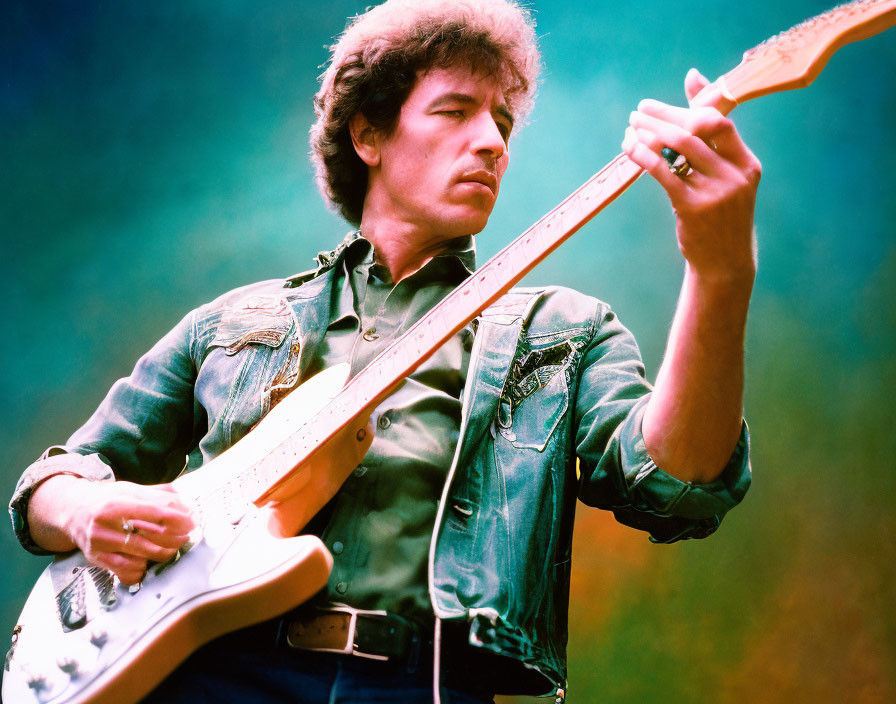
456 527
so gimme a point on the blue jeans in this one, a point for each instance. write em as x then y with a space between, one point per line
283 676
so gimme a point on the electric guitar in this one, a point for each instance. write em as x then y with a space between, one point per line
84 638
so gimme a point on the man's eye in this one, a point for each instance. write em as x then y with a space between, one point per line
455 113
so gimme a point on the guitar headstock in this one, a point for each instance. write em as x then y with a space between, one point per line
793 59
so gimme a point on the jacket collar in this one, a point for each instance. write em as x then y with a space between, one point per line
463 248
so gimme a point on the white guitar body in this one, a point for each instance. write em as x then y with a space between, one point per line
85 638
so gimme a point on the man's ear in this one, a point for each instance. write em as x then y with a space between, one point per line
365 139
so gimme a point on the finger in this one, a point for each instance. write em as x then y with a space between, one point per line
132 544
706 123
653 164
176 520
161 535
658 134
142 547
129 570
694 82
101 538
703 122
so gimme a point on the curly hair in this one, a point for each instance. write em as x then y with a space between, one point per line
375 63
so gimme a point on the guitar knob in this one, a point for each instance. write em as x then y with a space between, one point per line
37 682
69 666
99 638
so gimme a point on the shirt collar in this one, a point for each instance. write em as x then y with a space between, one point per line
358 249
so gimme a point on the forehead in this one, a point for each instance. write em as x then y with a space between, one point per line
434 83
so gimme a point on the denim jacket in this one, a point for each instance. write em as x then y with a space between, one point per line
552 411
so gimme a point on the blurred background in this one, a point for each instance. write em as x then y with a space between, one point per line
154 155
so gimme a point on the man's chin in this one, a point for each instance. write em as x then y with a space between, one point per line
469 220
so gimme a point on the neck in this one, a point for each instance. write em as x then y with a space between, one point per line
401 246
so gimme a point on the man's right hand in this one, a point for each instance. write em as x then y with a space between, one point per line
119 526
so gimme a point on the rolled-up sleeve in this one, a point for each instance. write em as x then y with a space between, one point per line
141 431
616 472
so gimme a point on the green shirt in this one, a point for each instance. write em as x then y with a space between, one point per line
379 525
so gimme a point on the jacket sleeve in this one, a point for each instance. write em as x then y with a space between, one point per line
616 472
141 432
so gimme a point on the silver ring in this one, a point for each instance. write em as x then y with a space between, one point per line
129 529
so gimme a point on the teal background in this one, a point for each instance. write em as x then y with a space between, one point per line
153 155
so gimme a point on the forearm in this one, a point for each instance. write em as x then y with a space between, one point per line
693 419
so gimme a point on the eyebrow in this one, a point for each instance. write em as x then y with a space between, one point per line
502 110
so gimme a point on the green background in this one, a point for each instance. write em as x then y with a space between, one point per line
153 155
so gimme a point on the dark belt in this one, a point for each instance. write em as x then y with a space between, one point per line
376 635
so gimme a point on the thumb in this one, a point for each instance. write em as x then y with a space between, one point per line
694 82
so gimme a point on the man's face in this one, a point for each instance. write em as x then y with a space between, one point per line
441 167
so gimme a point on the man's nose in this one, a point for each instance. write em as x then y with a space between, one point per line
487 137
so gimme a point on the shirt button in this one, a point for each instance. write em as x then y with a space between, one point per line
342 587
337 548
360 471
383 422
370 335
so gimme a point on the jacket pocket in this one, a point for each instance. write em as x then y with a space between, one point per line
246 359
535 396
260 320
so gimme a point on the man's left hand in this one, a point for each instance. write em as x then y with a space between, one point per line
714 202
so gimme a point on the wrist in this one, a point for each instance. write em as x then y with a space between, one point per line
728 284
53 510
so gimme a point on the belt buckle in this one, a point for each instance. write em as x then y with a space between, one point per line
350 647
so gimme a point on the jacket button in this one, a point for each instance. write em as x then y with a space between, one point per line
360 471
383 422
370 335
338 548
342 587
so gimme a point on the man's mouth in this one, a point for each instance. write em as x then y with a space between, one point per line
486 178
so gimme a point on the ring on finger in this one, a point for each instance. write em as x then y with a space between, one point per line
129 529
678 163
